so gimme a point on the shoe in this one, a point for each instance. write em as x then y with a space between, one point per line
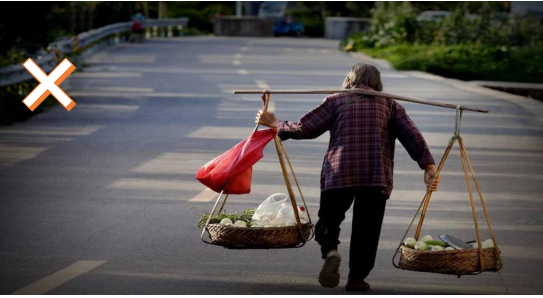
329 276
357 286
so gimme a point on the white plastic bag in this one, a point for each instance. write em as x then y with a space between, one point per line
276 211
269 209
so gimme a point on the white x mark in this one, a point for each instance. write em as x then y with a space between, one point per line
49 84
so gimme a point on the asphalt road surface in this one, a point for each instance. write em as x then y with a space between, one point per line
96 200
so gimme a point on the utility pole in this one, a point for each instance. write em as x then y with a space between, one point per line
238 9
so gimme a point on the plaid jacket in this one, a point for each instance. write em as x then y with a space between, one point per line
363 131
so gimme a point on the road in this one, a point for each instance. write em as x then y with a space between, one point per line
102 193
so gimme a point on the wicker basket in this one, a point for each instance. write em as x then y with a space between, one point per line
261 238
455 262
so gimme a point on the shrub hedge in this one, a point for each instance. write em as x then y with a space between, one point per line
487 45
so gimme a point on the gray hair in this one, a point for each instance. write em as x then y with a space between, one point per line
365 74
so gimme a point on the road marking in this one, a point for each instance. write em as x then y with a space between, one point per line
155 185
472 141
262 84
126 95
12 154
243 72
207 195
271 106
108 59
53 130
58 278
117 89
264 190
102 75
109 107
446 173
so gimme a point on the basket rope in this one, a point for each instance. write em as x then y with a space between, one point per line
466 163
282 155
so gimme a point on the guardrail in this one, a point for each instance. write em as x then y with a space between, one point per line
51 57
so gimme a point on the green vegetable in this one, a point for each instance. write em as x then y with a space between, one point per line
435 242
246 216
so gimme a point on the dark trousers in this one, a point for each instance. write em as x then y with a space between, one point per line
368 213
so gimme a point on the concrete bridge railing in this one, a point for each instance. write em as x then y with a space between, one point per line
86 42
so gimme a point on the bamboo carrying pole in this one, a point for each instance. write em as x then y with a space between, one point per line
366 92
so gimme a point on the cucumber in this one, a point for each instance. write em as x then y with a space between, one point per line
436 242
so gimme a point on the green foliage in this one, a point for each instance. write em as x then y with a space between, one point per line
467 62
488 45
191 31
11 57
245 216
393 23
200 14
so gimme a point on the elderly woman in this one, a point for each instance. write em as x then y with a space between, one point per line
357 168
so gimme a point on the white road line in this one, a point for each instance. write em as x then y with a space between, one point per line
271 106
262 84
117 89
58 278
243 72
472 141
12 154
52 130
207 195
102 75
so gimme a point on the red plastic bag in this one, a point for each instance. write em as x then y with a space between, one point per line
233 168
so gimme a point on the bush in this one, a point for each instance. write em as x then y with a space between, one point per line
485 46
467 62
393 23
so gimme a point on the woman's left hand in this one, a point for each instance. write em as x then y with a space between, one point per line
266 119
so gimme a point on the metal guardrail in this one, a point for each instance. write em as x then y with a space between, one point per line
49 59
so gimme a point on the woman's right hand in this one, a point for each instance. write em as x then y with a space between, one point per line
266 118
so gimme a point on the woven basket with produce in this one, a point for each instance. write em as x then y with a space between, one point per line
277 223
454 257
450 255
271 225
